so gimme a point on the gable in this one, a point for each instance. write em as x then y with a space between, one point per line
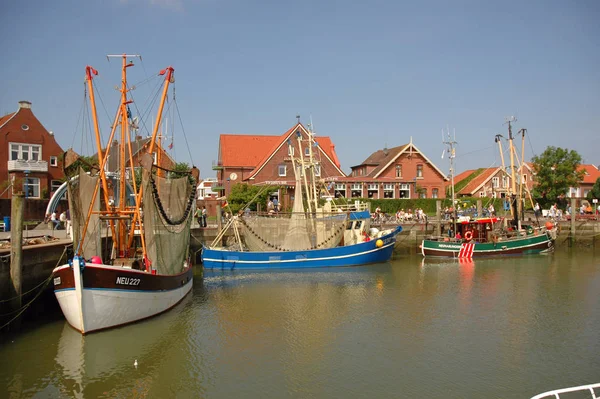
406 149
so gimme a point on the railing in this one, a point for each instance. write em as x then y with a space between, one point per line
28 166
581 388
216 165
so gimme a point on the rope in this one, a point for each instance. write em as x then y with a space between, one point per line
161 209
183 130
24 307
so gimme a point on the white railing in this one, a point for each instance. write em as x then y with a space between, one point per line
31 166
581 388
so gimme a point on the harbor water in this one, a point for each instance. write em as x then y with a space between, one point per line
410 328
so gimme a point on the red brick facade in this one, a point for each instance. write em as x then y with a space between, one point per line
30 157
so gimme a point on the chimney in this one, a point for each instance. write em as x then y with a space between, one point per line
25 104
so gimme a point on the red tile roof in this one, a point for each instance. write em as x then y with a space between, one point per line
477 181
5 118
591 173
463 175
243 150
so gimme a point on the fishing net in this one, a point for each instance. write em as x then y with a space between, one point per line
167 205
81 198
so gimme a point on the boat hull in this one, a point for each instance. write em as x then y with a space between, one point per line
112 296
531 244
351 255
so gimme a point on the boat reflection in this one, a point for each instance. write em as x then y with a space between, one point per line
121 362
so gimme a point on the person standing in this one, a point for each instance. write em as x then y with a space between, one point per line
54 220
198 216
204 214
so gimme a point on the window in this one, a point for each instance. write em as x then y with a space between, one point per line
505 181
419 170
53 161
495 182
25 152
398 170
31 186
524 181
317 169
154 158
356 190
307 151
54 185
24 127
482 193
388 191
281 170
435 192
373 186
290 151
423 193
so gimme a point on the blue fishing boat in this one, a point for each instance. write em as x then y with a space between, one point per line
316 233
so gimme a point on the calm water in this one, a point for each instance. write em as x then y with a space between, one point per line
504 328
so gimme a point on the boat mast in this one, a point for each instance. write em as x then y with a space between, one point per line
451 142
89 71
522 132
303 171
513 191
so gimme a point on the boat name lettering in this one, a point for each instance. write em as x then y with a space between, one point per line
128 281
449 246
56 280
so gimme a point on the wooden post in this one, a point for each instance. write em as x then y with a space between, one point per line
573 216
480 208
16 252
438 213
219 222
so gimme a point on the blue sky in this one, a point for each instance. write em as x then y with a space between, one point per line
370 74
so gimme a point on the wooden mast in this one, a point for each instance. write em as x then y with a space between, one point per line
89 71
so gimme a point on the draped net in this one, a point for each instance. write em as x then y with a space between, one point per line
167 244
81 198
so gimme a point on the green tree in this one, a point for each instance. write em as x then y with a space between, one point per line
595 192
556 171
242 195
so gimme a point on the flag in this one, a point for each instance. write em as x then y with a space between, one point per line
171 146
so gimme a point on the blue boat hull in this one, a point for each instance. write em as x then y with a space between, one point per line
351 255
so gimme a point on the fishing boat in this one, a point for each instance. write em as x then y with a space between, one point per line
314 234
491 236
130 239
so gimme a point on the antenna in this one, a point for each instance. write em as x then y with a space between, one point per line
298 117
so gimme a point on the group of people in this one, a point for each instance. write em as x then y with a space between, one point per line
201 216
273 205
60 221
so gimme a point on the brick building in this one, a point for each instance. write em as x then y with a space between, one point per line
31 157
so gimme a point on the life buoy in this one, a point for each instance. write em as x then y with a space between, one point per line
468 236
494 238
530 230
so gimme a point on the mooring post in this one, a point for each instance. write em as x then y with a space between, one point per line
16 252
438 213
573 216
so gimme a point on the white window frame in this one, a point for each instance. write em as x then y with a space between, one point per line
505 181
356 187
306 151
282 170
33 182
290 150
420 170
55 185
495 182
399 171
524 179
19 147
373 187
53 161
340 186
435 192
